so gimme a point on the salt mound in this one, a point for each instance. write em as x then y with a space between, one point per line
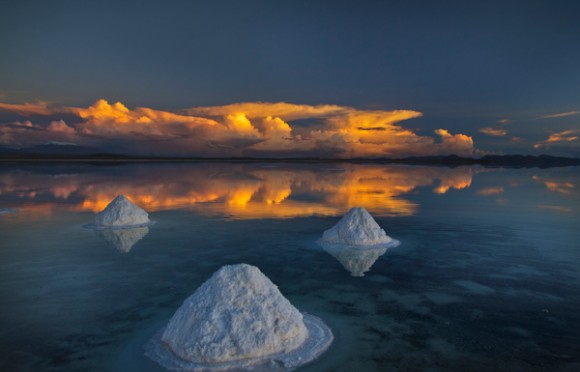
121 212
357 228
355 260
238 319
123 239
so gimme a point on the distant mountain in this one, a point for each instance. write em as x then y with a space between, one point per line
59 152
516 161
53 148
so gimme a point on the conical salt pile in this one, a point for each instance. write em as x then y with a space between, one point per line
357 228
238 318
121 212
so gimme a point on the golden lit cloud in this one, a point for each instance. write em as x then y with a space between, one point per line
569 135
252 129
495 132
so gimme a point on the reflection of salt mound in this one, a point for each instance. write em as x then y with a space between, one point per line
357 229
357 261
238 319
121 212
123 239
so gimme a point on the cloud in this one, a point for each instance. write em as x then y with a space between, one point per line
560 115
569 135
27 109
250 129
25 133
504 121
495 132
60 126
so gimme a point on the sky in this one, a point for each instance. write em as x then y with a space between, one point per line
292 78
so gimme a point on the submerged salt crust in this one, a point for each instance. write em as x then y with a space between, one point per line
357 229
238 319
121 213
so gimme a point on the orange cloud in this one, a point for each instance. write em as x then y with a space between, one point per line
495 132
27 109
257 128
560 137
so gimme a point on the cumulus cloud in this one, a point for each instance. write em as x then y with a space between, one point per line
494 132
253 128
60 126
566 136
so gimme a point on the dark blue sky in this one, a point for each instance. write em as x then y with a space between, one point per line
464 65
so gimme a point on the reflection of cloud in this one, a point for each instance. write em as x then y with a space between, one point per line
489 191
123 239
560 115
561 187
555 138
356 261
241 191
254 128
495 132
556 208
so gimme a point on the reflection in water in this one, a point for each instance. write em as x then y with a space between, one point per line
240 191
556 185
123 239
356 261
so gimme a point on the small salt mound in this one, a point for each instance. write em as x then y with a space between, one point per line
238 319
121 212
123 239
355 260
357 228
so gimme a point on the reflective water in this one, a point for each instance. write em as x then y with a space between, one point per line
487 276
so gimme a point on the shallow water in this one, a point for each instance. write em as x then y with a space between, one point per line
487 276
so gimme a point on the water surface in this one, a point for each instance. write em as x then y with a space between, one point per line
487 276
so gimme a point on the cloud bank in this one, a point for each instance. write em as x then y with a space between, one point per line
241 129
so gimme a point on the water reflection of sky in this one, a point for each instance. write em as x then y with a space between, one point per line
281 191
239 191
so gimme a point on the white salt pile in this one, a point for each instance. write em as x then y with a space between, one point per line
238 319
356 261
121 213
123 239
357 229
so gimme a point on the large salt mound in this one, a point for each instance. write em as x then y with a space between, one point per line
357 228
121 212
238 319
